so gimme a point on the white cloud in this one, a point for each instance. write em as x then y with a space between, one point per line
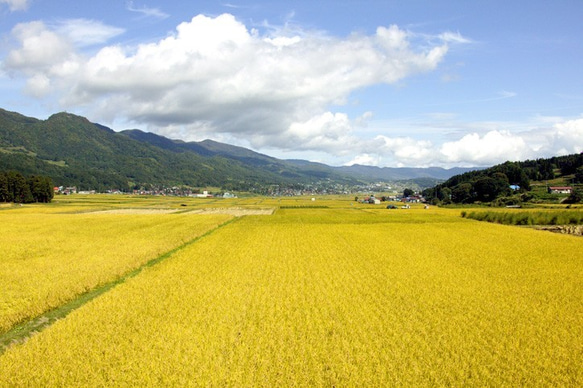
567 137
16 5
474 149
484 150
214 78
481 148
38 86
504 94
454 37
328 131
85 32
407 151
146 11
214 71
40 49
283 41
365 160
363 120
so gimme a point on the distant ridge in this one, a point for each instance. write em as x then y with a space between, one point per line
402 173
73 151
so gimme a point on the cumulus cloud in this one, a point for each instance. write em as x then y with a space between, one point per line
16 5
38 86
487 149
213 77
365 160
405 150
495 146
474 149
40 49
214 73
284 89
566 137
48 55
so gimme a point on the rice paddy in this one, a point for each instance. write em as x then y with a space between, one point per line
331 293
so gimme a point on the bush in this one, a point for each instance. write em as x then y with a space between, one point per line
565 217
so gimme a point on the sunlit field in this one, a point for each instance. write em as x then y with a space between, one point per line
321 293
47 258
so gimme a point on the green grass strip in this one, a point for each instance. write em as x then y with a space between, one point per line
21 332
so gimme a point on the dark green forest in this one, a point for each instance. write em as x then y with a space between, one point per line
506 183
14 187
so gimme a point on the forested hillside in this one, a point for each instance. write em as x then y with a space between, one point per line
508 182
72 151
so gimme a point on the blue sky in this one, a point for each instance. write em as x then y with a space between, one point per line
386 83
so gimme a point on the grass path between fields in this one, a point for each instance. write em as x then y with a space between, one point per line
21 332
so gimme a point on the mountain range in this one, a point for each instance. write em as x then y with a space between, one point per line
74 151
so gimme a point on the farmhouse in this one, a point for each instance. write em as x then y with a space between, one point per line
205 194
65 190
371 200
560 190
413 199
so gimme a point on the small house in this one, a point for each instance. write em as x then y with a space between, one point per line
560 189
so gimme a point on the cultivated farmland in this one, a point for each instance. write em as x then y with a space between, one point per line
49 259
337 295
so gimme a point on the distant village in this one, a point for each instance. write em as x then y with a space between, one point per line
416 198
166 191
390 191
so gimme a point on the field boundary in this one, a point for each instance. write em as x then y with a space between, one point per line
22 331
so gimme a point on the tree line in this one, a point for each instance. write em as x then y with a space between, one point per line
545 169
14 187
503 180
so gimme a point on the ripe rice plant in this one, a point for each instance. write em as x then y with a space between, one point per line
48 259
330 297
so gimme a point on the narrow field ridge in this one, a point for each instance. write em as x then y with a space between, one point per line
21 332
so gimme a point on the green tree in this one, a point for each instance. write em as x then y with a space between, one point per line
575 197
408 192
41 188
18 189
486 189
462 193
4 188
512 173
578 175
491 187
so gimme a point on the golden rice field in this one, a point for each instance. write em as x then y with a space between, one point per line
48 259
347 295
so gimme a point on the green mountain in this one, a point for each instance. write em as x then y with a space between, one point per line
75 152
